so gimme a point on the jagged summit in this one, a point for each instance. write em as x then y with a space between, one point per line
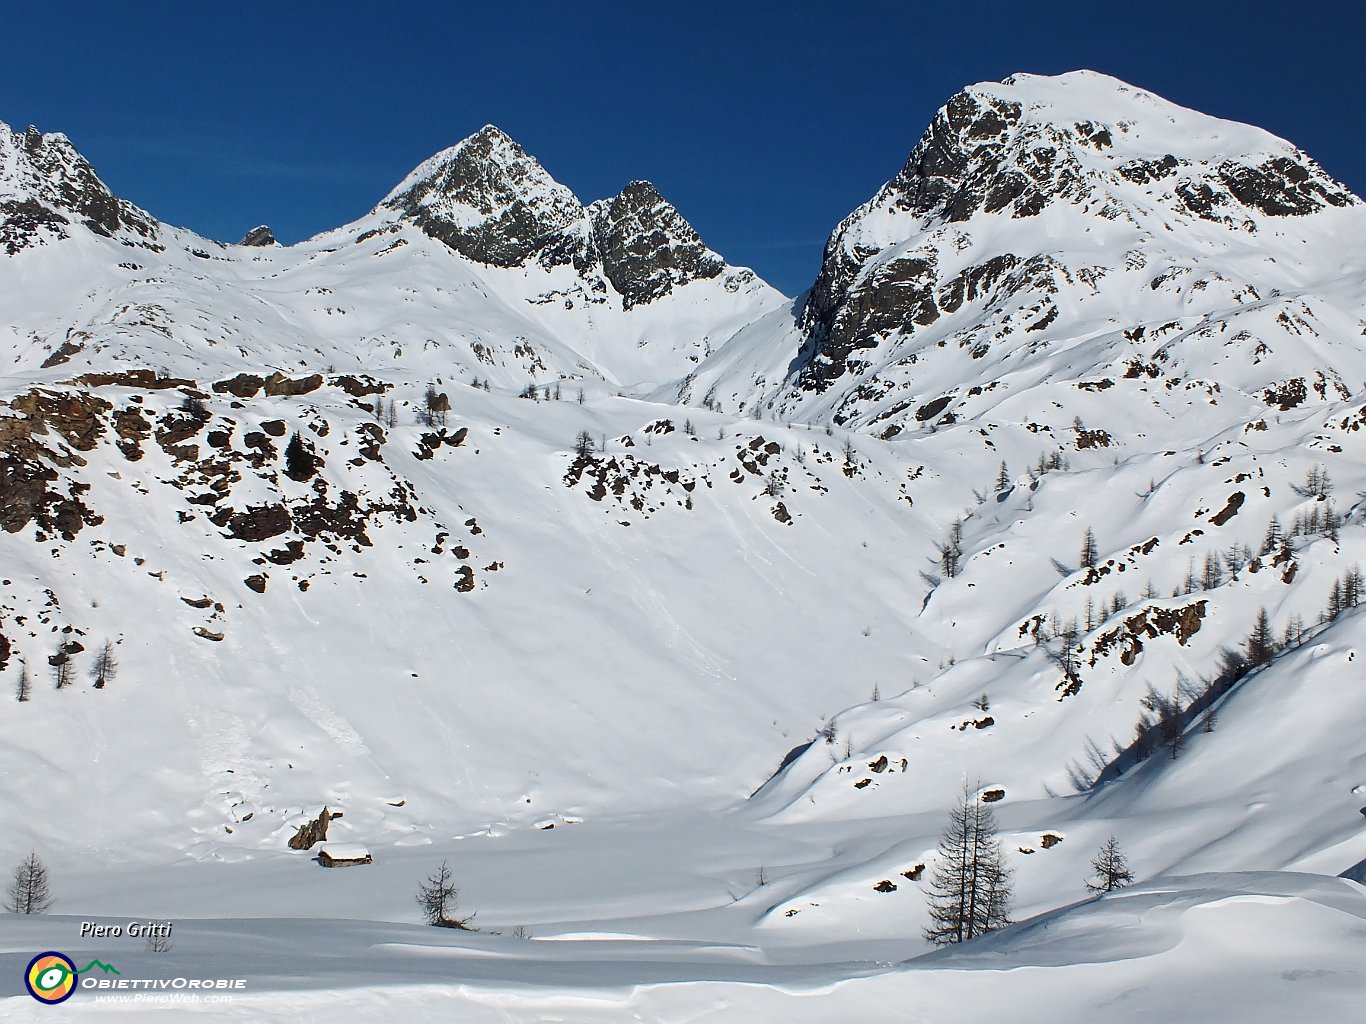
46 185
647 246
493 203
487 199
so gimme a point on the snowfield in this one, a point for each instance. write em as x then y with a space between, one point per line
1277 945
678 616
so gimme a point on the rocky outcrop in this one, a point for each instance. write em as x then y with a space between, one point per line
32 490
647 247
957 169
1283 187
311 832
259 236
244 385
142 380
278 384
258 524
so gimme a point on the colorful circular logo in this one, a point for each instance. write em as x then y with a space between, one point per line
51 977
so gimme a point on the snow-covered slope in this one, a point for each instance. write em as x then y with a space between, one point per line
765 586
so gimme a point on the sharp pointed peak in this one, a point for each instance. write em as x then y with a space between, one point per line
640 187
487 153
489 144
487 198
490 132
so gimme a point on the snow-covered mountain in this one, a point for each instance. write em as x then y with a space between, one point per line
46 185
478 264
1074 399
1070 229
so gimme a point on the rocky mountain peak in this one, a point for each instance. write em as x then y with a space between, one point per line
1016 146
1074 149
487 199
46 185
646 245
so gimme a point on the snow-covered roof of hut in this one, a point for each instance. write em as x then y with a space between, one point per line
344 851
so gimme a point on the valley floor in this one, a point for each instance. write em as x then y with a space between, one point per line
662 918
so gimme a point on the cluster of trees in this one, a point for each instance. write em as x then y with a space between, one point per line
386 414
1088 554
1096 614
1320 518
1165 717
63 667
1317 483
1346 593
1049 462
1162 721
969 892
537 392
193 405
301 462
951 550
435 407
1212 572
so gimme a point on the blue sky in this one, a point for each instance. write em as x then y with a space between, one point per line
765 123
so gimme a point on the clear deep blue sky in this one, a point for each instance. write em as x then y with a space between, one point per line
765 123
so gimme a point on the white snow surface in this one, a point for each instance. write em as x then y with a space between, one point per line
575 679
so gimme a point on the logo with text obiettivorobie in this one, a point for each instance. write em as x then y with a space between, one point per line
51 977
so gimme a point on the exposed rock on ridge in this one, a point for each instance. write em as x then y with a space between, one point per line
1016 149
647 247
488 200
493 203
46 185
